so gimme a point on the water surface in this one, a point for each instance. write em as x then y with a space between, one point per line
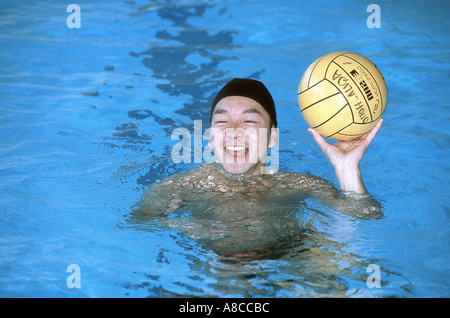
86 117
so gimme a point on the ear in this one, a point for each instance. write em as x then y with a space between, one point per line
273 137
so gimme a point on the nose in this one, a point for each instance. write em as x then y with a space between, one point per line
236 124
235 133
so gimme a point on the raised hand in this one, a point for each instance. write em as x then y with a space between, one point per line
345 157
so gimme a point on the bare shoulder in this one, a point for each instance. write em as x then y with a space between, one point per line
197 178
166 195
182 184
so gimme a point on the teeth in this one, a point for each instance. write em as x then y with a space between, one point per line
235 148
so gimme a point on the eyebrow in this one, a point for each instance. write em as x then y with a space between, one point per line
251 111
220 111
247 111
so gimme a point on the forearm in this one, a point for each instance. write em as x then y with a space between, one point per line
357 201
349 178
357 204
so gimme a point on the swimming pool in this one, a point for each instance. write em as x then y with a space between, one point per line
86 121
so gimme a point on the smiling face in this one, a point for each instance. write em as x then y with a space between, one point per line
241 134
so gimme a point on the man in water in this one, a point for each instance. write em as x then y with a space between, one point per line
243 128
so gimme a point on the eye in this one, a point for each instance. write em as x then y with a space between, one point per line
220 122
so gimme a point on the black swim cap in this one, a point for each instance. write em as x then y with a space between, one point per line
251 89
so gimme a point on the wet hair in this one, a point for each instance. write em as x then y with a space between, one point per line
249 88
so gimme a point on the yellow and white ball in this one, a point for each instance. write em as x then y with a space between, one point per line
342 95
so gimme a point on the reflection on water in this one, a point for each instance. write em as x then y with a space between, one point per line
188 58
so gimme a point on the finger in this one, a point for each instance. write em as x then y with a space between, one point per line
371 135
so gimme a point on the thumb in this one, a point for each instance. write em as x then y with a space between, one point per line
318 138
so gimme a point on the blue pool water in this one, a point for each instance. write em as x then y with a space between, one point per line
86 116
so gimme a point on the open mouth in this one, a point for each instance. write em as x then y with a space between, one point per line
236 151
